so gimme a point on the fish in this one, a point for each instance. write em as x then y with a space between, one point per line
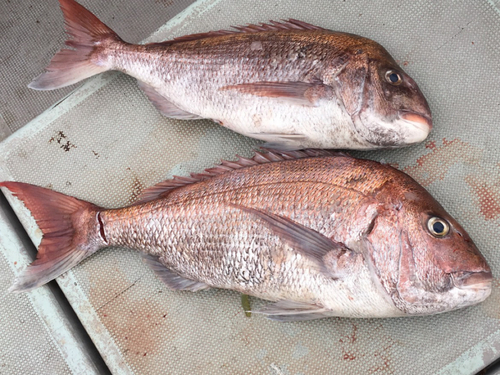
291 84
316 233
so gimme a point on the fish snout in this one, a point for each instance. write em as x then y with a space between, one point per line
473 280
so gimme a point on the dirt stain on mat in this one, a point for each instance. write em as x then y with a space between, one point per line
136 186
136 327
136 324
62 141
379 358
484 183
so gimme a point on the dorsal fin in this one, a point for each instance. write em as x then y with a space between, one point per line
162 189
290 24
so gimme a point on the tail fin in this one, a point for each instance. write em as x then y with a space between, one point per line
71 228
71 66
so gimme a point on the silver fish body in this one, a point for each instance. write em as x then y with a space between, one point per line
291 84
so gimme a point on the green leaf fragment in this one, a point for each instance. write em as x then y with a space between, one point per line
245 302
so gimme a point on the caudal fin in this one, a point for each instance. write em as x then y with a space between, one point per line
70 66
71 231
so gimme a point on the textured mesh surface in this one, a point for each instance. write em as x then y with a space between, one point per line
107 146
19 319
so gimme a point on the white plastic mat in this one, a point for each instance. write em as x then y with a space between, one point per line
105 143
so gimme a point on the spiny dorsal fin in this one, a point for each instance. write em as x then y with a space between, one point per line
290 24
161 189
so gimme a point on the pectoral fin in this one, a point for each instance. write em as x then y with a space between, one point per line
164 106
306 241
169 277
302 93
291 311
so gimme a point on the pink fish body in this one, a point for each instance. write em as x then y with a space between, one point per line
319 236
289 83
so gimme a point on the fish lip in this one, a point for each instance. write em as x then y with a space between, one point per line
473 280
419 120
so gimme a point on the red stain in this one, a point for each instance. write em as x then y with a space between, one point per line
386 360
134 322
137 328
354 331
435 165
405 63
488 196
379 357
348 356
352 337
431 145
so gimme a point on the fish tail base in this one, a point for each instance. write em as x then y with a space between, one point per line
89 37
71 232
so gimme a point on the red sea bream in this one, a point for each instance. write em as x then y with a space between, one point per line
290 83
319 236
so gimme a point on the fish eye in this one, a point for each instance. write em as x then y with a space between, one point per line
438 227
393 77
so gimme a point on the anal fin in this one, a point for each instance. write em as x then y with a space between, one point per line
170 278
164 106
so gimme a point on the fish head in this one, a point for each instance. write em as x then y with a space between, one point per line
386 106
424 259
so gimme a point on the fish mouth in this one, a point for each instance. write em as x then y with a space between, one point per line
422 125
473 280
